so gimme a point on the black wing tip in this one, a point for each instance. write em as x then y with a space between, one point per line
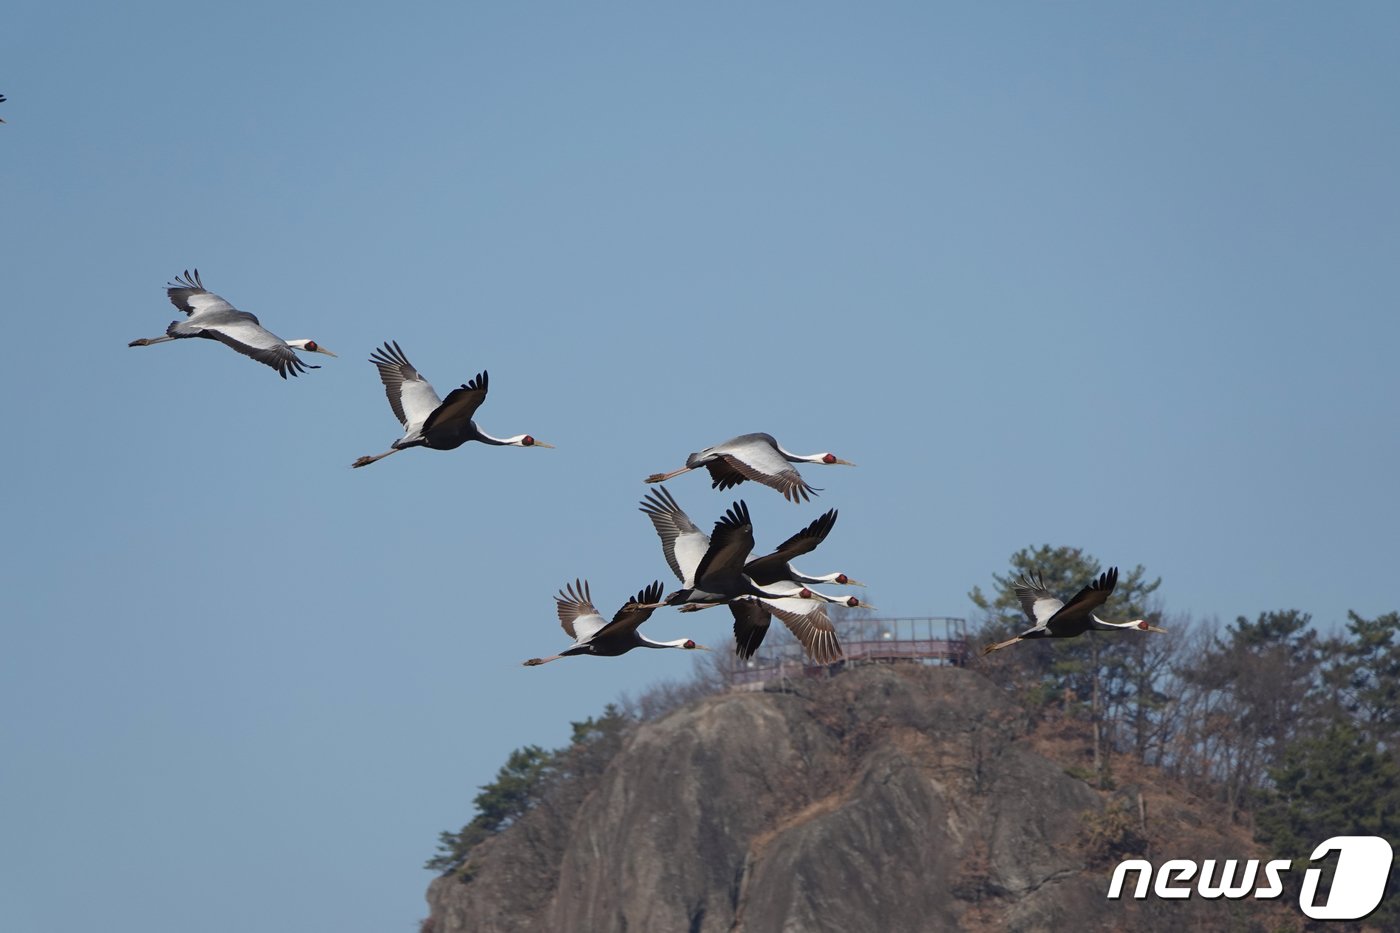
647 595
576 592
186 279
661 498
392 363
388 355
821 525
747 648
652 504
799 492
738 514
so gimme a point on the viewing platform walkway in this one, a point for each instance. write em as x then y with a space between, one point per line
925 640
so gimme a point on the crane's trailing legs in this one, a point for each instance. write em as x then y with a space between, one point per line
147 341
367 460
662 477
1001 644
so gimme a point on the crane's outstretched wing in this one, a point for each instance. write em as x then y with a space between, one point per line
809 623
774 566
730 543
577 615
727 472
457 410
1038 603
410 395
683 543
252 340
751 621
632 614
1090 598
752 456
187 292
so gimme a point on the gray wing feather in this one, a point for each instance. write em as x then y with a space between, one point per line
1038 603
682 542
809 623
410 395
571 603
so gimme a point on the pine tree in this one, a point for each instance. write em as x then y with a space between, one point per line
1107 673
1365 674
1259 688
525 780
1337 783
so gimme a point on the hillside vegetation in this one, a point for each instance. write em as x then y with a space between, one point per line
993 797
890 797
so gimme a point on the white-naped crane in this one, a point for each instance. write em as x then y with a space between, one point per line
791 590
777 566
711 570
592 634
212 317
428 421
1052 618
2 100
686 546
805 618
758 457
788 590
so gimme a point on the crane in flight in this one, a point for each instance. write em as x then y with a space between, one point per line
594 635
429 421
757 457
685 547
1052 618
806 618
719 575
777 566
212 317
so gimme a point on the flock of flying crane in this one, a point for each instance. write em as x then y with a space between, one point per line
714 569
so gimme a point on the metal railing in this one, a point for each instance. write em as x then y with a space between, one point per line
923 640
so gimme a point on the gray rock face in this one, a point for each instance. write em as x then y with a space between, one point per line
702 782
882 799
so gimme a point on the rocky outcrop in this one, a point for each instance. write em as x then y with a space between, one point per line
882 799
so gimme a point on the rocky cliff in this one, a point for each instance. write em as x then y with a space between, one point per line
885 799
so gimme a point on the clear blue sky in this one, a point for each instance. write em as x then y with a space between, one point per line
1087 274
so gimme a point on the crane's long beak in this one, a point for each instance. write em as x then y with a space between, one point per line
324 350
838 460
543 444
850 582
1160 631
